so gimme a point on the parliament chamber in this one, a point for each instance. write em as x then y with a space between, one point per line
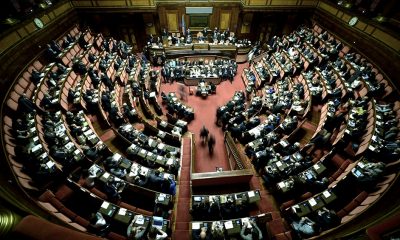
200 119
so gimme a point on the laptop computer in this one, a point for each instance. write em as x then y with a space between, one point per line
158 222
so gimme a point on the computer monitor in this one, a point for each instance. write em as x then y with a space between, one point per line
158 222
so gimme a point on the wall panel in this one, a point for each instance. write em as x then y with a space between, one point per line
172 21
225 19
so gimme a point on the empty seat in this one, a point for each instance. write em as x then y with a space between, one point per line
62 217
47 206
369 200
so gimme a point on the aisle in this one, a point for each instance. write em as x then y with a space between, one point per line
205 114
182 201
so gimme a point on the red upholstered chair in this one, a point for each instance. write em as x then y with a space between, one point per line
347 218
68 213
284 236
18 171
350 206
32 227
115 236
63 193
81 221
47 206
360 197
358 210
276 226
369 200
341 213
387 179
27 184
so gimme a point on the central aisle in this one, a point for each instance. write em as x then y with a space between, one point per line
205 114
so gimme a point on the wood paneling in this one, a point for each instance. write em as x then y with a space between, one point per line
257 2
246 23
172 21
225 19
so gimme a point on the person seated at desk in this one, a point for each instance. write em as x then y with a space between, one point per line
156 234
370 172
327 218
140 180
250 231
88 178
217 231
155 180
305 227
241 207
111 190
202 233
99 224
136 232
169 186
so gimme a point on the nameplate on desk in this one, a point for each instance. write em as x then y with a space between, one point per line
197 199
105 205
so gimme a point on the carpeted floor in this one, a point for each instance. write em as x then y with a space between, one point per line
205 114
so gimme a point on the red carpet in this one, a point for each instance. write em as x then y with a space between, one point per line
183 217
205 114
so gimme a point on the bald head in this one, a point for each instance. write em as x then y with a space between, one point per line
203 234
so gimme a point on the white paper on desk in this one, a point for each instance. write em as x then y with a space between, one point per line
161 197
116 156
195 225
326 194
105 205
122 211
197 199
170 161
50 164
139 220
166 175
281 184
228 225
278 163
312 202
316 166
106 175
251 194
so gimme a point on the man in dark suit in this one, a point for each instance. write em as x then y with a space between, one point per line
25 105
